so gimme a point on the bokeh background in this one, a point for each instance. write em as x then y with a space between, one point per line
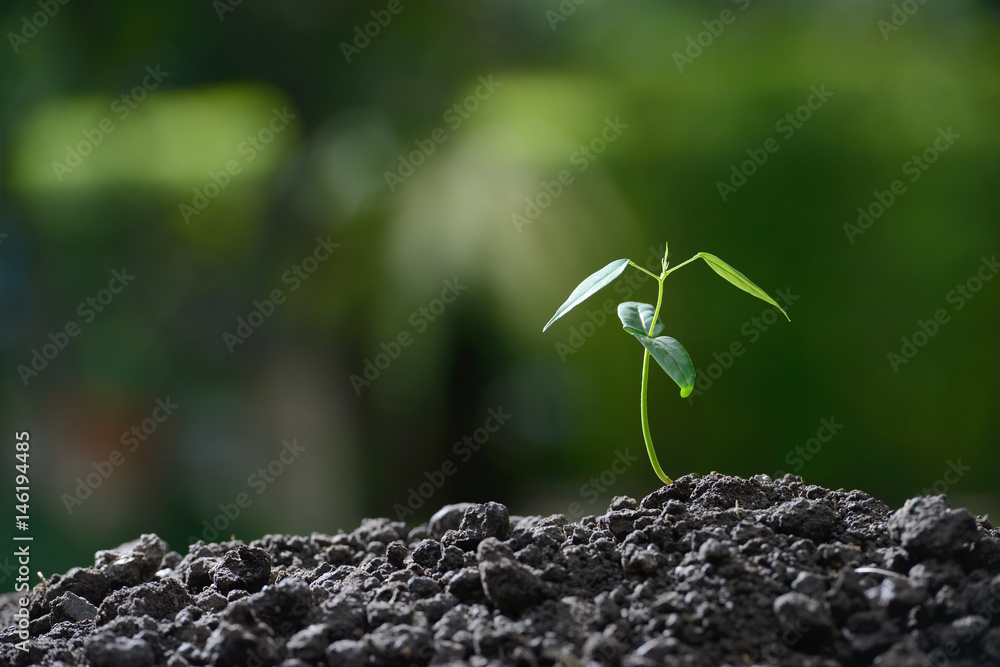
308 115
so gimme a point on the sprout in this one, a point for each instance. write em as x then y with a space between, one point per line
642 320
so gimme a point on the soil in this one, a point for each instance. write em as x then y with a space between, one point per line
712 570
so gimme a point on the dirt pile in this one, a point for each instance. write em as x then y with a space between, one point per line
708 571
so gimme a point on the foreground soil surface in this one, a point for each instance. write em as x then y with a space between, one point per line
712 570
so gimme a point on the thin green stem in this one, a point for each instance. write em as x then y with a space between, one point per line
648 273
659 300
645 378
645 424
667 273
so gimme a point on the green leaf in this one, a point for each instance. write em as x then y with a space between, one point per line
740 280
673 359
590 285
636 318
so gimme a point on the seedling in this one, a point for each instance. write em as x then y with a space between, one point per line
642 320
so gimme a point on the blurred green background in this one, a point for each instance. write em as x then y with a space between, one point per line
204 148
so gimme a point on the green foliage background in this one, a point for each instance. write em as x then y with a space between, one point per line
556 85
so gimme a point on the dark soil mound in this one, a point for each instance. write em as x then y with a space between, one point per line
708 571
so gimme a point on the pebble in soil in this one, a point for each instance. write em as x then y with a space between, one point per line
712 570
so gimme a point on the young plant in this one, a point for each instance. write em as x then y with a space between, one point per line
642 320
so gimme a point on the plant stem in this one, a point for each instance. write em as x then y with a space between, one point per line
688 261
645 378
648 273
645 424
659 299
